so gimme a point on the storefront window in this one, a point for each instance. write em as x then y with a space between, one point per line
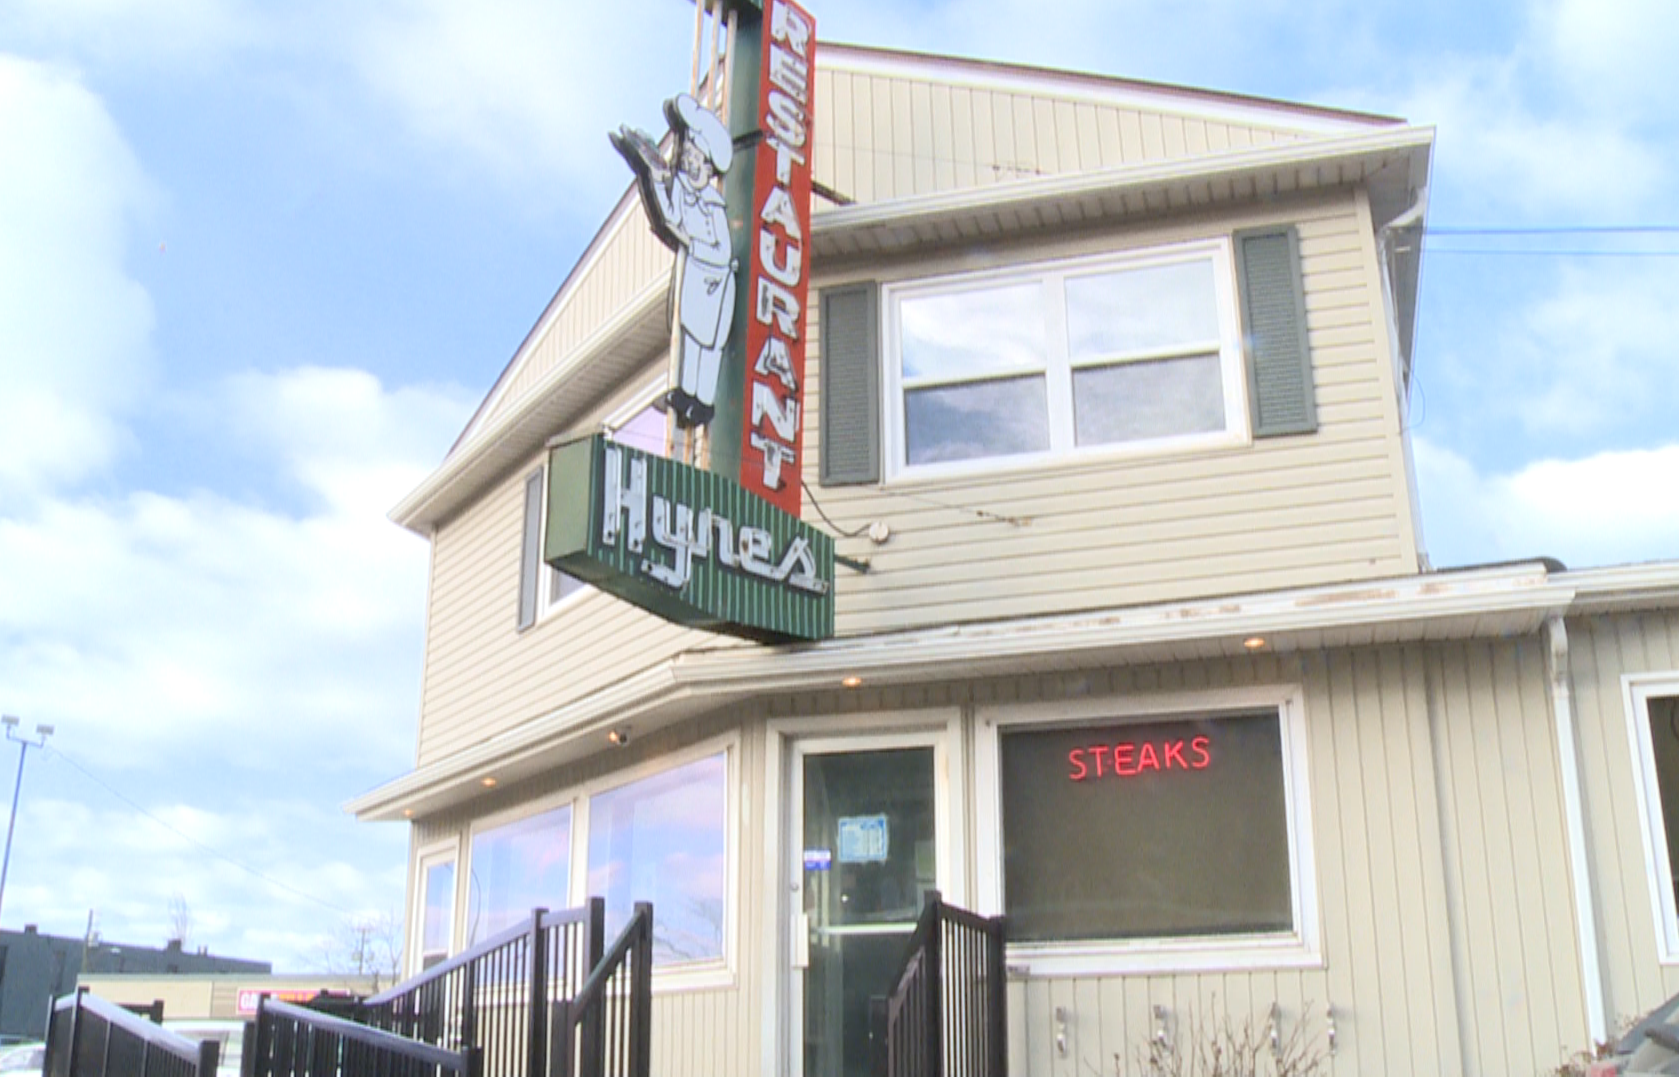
517 867
1146 830
662 839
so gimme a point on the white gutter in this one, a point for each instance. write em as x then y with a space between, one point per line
1439 606
1568 756
1019 194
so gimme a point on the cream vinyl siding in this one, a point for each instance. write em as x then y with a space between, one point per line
1125 529
881 137
878 138
482 675
1602 649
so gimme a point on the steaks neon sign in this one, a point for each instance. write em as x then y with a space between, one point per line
1127 759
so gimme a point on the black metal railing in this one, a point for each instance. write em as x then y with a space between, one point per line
89 1037
291 1041
946 1014
606 1029
496 995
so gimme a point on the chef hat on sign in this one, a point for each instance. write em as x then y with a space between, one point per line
706 131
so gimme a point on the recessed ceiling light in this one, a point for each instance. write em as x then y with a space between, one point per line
619 736
487 783
852 681
408 813
1254 643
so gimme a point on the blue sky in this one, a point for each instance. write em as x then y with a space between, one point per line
259 262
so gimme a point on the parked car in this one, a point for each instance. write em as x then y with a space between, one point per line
23 1060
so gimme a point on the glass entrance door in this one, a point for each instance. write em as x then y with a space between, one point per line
870 829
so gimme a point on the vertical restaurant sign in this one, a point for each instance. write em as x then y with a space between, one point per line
779 276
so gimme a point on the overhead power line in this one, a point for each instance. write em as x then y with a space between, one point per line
189 839
1554 230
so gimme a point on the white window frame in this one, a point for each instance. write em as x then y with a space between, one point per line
694 975
430 855
1219 252
1637 689
1298 948
710 973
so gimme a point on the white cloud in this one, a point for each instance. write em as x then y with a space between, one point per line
73 323
74 858
527 87
142 32
1604 509
149 624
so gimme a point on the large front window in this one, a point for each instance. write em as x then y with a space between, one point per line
1151 834
1653 712
517 867
662 839
1141 350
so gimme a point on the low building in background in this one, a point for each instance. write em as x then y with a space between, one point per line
36 968
221 996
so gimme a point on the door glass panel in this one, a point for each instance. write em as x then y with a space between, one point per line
869 856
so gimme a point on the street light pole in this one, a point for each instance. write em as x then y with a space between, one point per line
42 732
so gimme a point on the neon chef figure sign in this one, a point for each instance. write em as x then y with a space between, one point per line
1127 759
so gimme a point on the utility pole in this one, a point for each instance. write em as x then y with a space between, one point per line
42 732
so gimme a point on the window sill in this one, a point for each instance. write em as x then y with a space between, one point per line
699 976
1228 953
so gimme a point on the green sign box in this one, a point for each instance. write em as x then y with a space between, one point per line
689 545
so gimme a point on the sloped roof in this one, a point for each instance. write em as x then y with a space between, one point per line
922 149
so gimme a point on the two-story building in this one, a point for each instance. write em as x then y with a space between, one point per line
1106 399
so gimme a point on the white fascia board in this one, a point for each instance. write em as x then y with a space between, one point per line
1187 101
1415 606
418 510
1648 585
1019 194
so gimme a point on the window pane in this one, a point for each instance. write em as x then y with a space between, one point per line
988 418
645 430
561 584
1154 399
662 840
516 868
439 913
1664 744
1139 310
982 331
1146 830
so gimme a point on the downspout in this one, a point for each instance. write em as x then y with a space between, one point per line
1585 911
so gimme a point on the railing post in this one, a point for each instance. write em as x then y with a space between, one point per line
996 1003
209 1053
560 1045
594 1023
258 1047
641 986
469 1006
536 1009
934 977
475 1062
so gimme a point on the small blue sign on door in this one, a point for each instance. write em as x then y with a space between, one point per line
819 859
863 839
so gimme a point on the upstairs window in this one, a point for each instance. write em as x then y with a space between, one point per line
1141 350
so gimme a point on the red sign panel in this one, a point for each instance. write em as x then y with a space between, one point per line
772 445
248 996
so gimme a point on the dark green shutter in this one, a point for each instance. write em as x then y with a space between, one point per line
530 558
850 385
1274 332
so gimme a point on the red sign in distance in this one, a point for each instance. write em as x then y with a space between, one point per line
772 444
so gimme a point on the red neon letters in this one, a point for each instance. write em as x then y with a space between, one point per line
1127 759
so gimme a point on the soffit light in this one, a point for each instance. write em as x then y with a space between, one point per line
487 783
852 681
1254 643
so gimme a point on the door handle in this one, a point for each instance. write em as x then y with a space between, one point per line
801 940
